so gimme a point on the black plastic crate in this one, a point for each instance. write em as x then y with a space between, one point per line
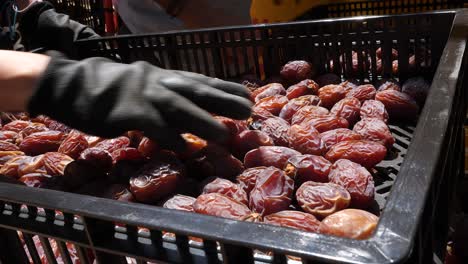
380 7
414 186
87 12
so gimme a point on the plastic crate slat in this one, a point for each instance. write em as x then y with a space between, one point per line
64 252
31 248
48 252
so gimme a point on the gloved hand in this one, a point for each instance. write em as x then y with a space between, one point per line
105 98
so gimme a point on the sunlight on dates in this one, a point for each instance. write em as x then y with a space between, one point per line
322 199
350 223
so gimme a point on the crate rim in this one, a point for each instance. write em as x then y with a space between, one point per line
385 246
266 25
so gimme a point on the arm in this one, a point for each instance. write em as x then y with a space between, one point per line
19 72
42 27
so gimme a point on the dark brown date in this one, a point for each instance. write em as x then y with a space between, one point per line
330 95
350 223
348 86
399 105
363 92
327 79
307 112
93 140
288 111
257 117
227 188
356 180
55 163
234 126
417 88
131 154
16 126
37 180
180 202
305 168
194 144
325 123
272 192
364 152
273 89
269 156
98 157
33 128
305 140
347 108
156 180
42 142
247 178
260 90
331 137
305 87
272 104
277 129
374 109
293 219
216 204
110 145
296 71
7 146
322 199
148 147
73 144
375 130
57 126
389 85
248 140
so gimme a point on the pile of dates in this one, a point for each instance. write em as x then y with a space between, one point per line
303 160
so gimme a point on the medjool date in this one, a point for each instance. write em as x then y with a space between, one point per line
41 142
277 129
374 109
350 223
364 152
331 137
325 123
180 202
322 199
330 95
291 108
248 140
293 219
304 87
272 104
227 188
306 140
363 92
296 71
269 156
216 204
347 108
308 168
248 178
73 144
375 130
399 105
307 112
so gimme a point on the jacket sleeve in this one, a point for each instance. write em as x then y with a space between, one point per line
42 27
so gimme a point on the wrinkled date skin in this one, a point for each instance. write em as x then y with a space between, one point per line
291 108
307 112
364 152
31 165
348 109
389 85
33 128
216 204
363 92
306 140
234 126
55 163
16 126
148 147
57 126
325 123
227 188
399 105
7 146
327 79
272 104
269 156
417 88
37 180
322 199
350 223
156 180
248 140
8 136
348 86
110 145
277 129
73 144
304 87
330 95
375 130
10 168
131 154
7 155
273 89
98 157
41 142
272 192
374 109
293 219
356 180
296 71
257 117
260 91
331 137
180 202
308 168
248 178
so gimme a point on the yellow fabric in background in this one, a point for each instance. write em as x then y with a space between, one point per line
271 11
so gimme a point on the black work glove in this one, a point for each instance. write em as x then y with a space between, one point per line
42 27
105 98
